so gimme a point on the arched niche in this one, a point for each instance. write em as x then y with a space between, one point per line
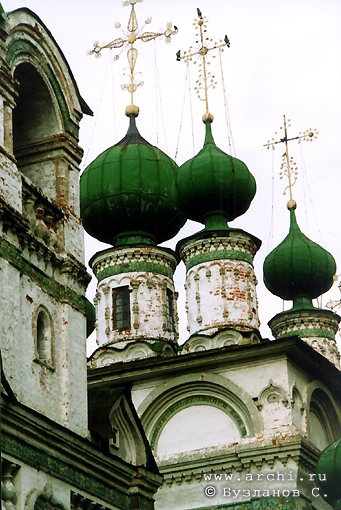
198 426
43 333
200 409
323 422
47 109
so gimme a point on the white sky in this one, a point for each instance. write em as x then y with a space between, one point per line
284 59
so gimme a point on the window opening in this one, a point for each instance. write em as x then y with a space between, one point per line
121 307
169 310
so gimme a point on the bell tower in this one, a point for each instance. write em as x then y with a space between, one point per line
42 272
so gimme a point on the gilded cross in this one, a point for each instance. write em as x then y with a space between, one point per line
206 45
288 166
130 36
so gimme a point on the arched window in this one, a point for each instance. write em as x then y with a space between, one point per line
37 127
34 122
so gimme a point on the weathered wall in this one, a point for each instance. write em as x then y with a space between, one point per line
220 283
41 246
261 418
148 272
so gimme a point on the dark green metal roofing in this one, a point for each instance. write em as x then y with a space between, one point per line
298 269
329 467
125 193
214 187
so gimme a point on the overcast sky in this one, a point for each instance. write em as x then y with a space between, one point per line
284 59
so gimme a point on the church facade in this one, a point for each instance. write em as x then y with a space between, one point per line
228 419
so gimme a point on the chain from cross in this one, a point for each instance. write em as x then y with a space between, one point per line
335 305
288 166
131 35
206 79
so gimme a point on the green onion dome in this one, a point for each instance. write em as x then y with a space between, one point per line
126 193
298 269
214 187
329 467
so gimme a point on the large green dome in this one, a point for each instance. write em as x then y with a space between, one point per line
214 187
125 193
298 269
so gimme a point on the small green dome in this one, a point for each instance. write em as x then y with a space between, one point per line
298 269
329 467
126 193
214 187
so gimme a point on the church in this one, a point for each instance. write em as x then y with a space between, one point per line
228 419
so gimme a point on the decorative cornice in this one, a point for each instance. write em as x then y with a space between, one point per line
292 349
126 351
230 245
240 458
315 326
305 322
265 503
32 439
314 322
201 258
11 219
223 338
18 225
145 259
63 141
72 475
59 463
48 283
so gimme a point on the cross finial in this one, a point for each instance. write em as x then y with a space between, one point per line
130 36
206 45
288 166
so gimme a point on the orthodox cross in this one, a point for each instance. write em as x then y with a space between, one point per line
206 45
288 166
130 36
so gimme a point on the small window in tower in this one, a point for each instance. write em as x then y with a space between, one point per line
121 307
169 310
